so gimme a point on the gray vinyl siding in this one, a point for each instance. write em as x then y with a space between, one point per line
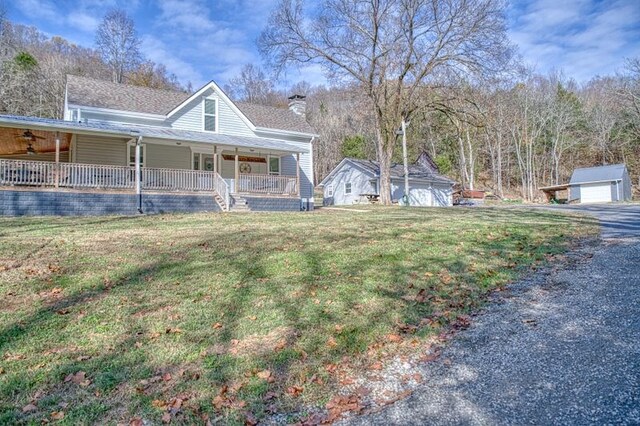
100 150
360 184
626 182
288 168
574 192
49 156
190 118
229 123
168 156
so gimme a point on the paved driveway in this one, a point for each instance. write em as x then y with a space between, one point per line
616 220
562 348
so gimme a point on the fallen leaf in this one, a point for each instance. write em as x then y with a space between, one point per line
166 418
394 338
421 297
417 377
332 342
158 403
339 328
264 374
376 366
80 378
57 415
29 408
253 318
166 377
217 325
250 419
136 421
295 391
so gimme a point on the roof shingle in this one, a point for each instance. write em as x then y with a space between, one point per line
124 97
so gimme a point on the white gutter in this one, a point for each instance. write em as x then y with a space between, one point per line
148 116
595 181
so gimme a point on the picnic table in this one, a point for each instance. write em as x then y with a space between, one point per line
372 198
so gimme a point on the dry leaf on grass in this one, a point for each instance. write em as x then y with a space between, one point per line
80 378
57 415
295 391
376 366
250 419
29 408
166 418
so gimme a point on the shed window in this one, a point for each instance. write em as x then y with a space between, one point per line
210 113
330 190
347 188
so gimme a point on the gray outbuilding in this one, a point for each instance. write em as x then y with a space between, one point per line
602 184
355 181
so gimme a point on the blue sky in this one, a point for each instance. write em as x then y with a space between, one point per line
202 40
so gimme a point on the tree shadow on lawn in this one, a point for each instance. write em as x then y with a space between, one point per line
367 310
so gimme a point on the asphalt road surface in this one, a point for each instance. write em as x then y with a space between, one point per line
563 347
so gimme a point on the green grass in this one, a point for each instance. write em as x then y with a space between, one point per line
212 300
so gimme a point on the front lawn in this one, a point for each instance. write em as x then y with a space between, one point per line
233 316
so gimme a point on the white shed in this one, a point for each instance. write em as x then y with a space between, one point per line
351 181
602 184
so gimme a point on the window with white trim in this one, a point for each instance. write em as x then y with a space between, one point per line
274 165
330 190
131 154
347 188
210 110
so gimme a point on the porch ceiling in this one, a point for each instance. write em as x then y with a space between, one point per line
14 142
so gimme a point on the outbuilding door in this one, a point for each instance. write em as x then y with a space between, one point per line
595 193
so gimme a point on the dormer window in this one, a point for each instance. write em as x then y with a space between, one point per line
210 115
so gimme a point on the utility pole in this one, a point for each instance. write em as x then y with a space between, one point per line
406 164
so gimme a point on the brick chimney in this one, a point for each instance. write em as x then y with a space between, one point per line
298 105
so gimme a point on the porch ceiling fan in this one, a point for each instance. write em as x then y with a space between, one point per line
30 138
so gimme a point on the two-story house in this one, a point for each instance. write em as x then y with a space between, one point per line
123 149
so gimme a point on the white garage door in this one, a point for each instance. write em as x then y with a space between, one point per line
595 193
420 196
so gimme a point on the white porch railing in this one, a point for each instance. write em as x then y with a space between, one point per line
267 184
25 172
96 176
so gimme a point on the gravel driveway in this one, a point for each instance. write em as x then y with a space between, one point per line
562 347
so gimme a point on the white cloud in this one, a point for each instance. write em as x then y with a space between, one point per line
157 51
83 21
42 9
583 37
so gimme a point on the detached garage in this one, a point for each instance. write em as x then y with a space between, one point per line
603 184
356 181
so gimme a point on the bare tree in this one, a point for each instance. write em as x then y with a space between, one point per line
253 86
118 43
389 48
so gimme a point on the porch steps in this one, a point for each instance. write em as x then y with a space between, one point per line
220 201
238 204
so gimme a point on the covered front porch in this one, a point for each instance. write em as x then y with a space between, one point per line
144 162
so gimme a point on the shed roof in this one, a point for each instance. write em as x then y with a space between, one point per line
598 174
126 97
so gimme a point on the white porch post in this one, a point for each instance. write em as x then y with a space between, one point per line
57 176
237 172
138 170
298 173
215 159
